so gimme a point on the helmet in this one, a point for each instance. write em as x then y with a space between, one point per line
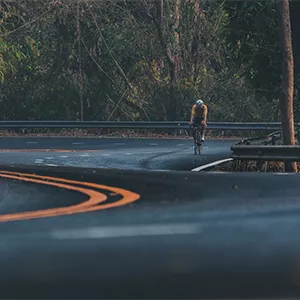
199 103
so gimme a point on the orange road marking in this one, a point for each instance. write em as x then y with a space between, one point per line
91 204
48 150
94 198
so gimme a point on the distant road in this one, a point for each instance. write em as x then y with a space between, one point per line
121 153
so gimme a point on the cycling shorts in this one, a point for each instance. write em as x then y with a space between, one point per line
197 120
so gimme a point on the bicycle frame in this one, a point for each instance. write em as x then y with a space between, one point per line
198 139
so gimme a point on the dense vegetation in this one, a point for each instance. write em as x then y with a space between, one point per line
141 60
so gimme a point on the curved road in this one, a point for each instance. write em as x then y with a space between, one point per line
151 154
134 234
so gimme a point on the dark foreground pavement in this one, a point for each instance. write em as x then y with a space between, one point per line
187 236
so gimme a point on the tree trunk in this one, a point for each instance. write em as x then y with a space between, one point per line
175 68
164 35
287 85
79 62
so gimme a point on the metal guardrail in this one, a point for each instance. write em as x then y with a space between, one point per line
139 125
270 139
265 148
266 152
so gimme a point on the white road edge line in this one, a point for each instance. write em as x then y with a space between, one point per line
286 174
211 164
38 160
127 231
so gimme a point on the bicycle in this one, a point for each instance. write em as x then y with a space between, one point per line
199 143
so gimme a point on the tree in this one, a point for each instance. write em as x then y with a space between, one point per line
145 60
287 85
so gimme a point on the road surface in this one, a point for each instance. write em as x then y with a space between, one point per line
138 154
111 232
148 234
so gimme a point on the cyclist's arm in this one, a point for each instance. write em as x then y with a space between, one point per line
204 114
192 114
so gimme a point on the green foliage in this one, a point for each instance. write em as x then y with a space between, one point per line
116 57
254 41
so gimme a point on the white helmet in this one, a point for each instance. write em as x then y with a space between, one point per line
199 103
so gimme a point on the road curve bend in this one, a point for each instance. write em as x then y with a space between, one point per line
124 153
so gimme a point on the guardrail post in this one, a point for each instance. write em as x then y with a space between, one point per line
273 140
236 164
244 165
262 166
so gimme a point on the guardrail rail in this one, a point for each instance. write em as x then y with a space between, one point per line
139 125
266 152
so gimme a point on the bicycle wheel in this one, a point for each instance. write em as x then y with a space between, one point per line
195 149
200 148
194 141
198 141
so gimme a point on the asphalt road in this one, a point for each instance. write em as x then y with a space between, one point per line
112 233
159 235
137 154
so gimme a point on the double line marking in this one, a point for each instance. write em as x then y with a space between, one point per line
94 202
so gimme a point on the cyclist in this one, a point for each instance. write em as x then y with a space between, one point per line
198 117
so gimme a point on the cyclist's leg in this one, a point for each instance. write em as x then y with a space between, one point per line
193 125
198 136
194 128
194 132
197 124
199 140
202 131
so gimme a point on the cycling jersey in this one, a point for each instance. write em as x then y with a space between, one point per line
199 112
